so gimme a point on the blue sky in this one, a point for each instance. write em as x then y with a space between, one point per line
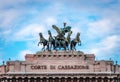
98 22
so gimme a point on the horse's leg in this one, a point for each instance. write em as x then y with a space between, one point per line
47 45
75 49
71 45
65 47
67 44
56 44
38 43
43 48
48 48
75 46
53 43
53 46
59 45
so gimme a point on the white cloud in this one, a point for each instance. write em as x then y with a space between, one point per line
28 32
50 21
100 28
4 33
107 47
11 3
111 42
7 17
21 55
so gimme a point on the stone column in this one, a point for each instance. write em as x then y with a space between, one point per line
65 80
102 79
8 80
40 79
59 79
109 80
16 80
77 79
28 80
35 79
119 80
13 79
90 80
71 79
45 80
53 79
22 80
112 80
5 80
80 79
56 79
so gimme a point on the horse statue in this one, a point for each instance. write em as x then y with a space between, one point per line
51 40
60 38
68 39
43 42
75 41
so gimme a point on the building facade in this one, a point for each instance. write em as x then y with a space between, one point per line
60 66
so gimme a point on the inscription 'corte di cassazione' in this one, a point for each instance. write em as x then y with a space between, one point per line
59 67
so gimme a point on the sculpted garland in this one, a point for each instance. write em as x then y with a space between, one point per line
60 42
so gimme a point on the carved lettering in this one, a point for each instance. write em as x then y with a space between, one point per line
59 67
68 67
37 67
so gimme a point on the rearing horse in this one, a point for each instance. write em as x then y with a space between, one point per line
75 41
51 40
68 39
43 42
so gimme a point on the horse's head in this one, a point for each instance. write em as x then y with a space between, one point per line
67 29
78 38
78 34
49 32
40 34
